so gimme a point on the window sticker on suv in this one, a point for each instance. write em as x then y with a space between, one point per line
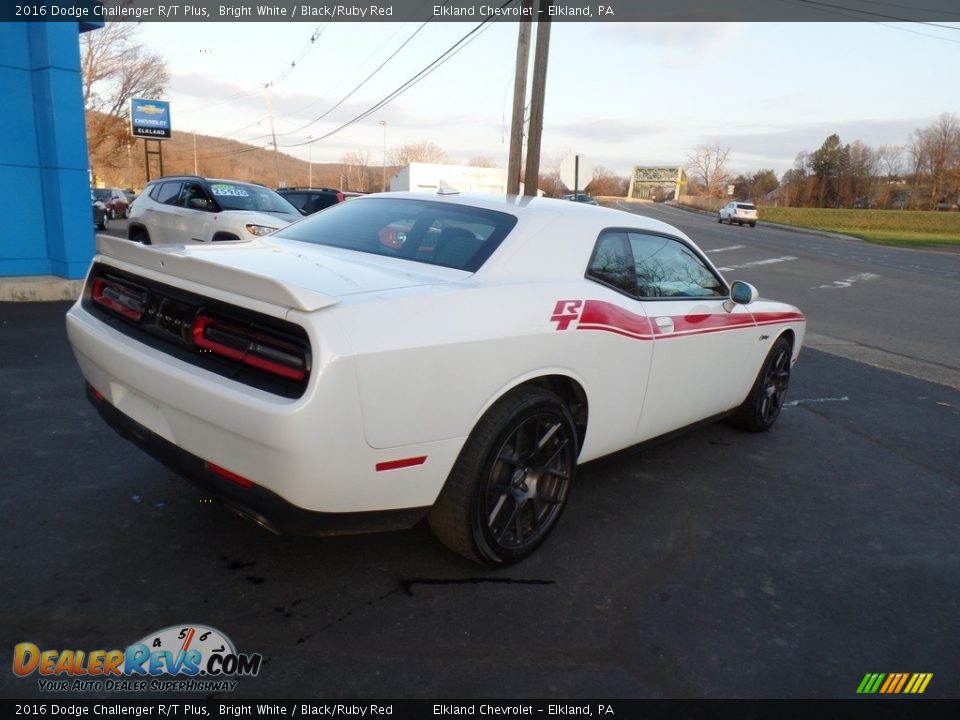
223 189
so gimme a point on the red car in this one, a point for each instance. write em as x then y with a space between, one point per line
115 201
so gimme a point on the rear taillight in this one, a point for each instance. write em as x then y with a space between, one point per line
252 346
119 297
228 475
340 197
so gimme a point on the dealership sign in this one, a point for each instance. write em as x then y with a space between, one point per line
150 119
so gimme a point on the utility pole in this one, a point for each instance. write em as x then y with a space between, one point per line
519 101
383 182
310 160
532 176
273 135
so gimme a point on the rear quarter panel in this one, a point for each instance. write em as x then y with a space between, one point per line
430 364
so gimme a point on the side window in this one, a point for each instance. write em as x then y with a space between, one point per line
167 193
667 268
298 200
193 196
612 262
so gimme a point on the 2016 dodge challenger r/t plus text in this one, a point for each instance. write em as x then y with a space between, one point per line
405 356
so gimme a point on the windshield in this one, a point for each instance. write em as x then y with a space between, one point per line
240 196
102 194
435 233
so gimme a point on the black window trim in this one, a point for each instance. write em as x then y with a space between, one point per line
641 298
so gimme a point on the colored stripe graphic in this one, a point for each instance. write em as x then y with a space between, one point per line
607 317
894 683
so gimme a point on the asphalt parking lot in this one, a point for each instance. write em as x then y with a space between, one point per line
717 564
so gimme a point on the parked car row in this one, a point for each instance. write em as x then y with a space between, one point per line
100 213
115 200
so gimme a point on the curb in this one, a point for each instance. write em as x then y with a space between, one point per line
39 289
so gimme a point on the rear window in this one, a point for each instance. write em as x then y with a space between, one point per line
746 206
424 231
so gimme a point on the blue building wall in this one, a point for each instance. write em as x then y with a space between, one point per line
44 176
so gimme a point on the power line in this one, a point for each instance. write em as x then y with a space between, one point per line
853 12
362 83
314 36
441 59
423 73
339 103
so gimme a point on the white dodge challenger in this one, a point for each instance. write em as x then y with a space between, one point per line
405 356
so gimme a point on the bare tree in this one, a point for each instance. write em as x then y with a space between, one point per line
861 167
358 169
890 161
936 154
424 152
481 161
116 67
708 166
607 182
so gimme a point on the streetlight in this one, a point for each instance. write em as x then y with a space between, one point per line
310 160
383 182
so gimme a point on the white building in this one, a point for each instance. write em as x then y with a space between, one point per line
426 177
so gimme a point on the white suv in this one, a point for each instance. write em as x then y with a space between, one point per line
186 208
738 212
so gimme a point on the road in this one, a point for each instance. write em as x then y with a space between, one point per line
888 306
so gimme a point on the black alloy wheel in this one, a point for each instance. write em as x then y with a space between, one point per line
511 482
763 405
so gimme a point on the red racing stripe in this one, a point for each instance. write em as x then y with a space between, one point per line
600 315
607 317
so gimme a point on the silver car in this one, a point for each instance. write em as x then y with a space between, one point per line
738 212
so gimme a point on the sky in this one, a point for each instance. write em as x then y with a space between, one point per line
619 94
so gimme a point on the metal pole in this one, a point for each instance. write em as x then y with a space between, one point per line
310 160
273 135
532 175
519 98
383 181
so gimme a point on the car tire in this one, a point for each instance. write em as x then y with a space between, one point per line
510 484
762 407
140 236
102 225
753 224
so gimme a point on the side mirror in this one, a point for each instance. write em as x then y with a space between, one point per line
741 293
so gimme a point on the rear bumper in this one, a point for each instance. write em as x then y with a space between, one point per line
254 502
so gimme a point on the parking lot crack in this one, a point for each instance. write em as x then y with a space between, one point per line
407 585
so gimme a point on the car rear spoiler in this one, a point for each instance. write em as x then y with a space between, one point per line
185 262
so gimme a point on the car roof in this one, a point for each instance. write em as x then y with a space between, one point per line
522 206
538 213
200 178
